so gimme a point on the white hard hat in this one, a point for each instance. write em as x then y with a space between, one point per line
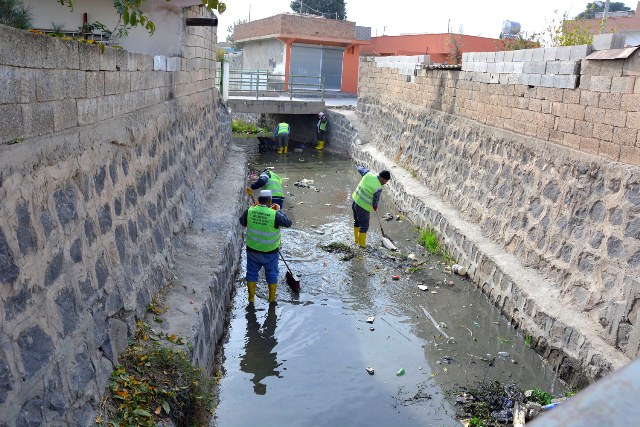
265 193
321 113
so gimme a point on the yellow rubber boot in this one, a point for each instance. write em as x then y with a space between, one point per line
356 233
251 286
362 240
280 150
320 145
286 149
272 291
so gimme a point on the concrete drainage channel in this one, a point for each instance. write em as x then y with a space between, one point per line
375 337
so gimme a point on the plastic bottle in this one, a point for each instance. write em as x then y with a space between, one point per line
400 372
459 269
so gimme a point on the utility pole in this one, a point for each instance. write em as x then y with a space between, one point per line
604 16
301 3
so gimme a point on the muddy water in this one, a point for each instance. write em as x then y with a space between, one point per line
301 362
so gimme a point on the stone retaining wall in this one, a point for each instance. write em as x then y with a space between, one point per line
567 219
111 158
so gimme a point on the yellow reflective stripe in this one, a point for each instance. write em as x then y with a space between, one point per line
364 196
262 233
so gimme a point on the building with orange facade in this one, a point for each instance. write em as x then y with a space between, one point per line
439 47
304 45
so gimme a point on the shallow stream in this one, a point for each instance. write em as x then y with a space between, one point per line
301 362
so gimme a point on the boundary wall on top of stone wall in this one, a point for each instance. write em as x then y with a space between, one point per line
111 155
556 184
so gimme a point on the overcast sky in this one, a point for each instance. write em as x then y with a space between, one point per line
395 17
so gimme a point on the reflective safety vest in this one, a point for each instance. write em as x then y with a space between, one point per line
275 185
262 235
363 195
282 128
323 125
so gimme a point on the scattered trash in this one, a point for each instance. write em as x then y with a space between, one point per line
304 183
400 372
450 283
476 324
395 277
434 292
411 256
370 370
423 287
503 354
370 319
459 269
372 329
319 232
387 216
327 204
347 251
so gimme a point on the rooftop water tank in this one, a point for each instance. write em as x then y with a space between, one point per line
510 29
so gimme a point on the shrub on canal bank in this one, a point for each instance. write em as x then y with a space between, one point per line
242 127
156 381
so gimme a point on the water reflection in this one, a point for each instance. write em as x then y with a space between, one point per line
260 359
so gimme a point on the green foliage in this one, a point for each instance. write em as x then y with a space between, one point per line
561 33
58 29
523 41
429 240
527 341
540 396
131 14
476 422
230 29
502 340
332 9
220 55
240 126
154 382
592 8
14 13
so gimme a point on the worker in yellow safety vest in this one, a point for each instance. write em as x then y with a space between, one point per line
269 180
322 130
263 222
366 199
281 134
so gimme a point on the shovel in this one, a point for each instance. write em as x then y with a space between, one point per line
386 242
292 279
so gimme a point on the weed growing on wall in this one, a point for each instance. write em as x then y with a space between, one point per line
156 381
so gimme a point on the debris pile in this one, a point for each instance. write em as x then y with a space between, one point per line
495 404
347 251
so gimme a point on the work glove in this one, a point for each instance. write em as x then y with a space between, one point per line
275 207
375 208
249 191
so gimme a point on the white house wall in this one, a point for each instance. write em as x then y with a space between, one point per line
167 40
265 55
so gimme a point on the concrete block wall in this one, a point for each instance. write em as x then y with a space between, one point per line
599 117
112 156
555 67
551 175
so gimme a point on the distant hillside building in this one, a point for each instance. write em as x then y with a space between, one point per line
304 45
437 46
628 25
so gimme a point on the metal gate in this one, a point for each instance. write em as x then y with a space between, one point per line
317 62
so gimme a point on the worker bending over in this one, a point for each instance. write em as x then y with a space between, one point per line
366 199
263 222
269 180
281 134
